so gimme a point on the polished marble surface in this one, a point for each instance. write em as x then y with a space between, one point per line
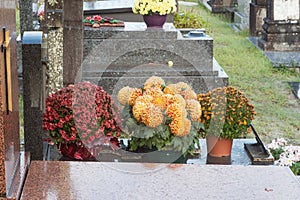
114 180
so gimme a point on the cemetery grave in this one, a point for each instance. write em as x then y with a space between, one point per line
114 57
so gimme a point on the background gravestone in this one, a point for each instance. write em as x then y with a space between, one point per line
13 162
281 29
241 14
258 10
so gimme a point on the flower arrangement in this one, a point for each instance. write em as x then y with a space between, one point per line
82 114
160 116
226 112
149 7
97 21
285 155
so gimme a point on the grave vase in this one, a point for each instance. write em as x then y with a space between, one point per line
155 20
218 147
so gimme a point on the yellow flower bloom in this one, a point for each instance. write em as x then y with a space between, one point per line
136 92
138 110
174 111
154 82
124 94
169 90
152 116
154 92
194 108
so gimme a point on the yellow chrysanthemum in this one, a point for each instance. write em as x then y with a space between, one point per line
144 98
176 127
189 94
124 94
154 92
136 92
169 90
187 127
174 111
154 82
152 116
194 108
163 101
138 110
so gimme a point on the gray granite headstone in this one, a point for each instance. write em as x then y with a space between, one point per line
134 53
33 85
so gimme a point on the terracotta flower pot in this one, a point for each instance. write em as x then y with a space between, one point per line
218 147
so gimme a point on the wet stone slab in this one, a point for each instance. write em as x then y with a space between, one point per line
91 180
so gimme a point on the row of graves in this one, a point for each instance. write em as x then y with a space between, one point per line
273 28
64 51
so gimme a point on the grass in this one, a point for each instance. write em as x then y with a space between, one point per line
278 111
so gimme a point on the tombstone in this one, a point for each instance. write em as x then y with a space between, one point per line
26 18
219 6
281 29
72 40
13 162
33 96
258 10
117 9
116 57
241 15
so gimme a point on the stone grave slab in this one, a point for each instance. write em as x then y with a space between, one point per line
86 180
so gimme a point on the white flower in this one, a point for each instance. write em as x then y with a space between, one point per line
52 2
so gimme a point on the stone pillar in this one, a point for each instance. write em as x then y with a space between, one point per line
281 29
258 11
72 40
33 87
26 19
13 162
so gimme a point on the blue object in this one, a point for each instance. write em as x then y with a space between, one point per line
32 37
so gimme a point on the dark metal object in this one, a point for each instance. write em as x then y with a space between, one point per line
3 49
257 152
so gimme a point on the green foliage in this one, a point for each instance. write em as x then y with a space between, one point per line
189 20
250 70
159 138
276 153
296 168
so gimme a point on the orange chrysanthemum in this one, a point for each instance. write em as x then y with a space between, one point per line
154 92
154 82
152 116
194 108
169 90
136 92
138 110
174 111
124 94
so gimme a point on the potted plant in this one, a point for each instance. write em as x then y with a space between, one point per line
226 114
161 118
154 11
82 119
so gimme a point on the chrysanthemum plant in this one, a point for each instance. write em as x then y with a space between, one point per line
84 114
160 116
149 7
226 113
